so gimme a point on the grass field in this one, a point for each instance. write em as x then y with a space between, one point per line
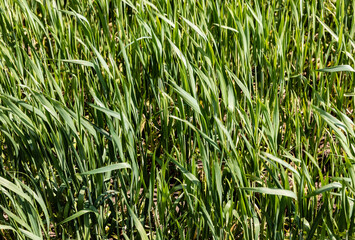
177 119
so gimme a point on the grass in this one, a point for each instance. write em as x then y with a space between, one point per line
136 119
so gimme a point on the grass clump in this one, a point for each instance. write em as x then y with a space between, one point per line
176 119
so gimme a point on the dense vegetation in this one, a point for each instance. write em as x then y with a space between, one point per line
180 119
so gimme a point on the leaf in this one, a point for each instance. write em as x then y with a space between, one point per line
25 232
231 99
79 62
101 59
30 234
240 84
15 218
138 224
273 191
226 27
76 215
16 110
207 138
38 198
283 163
178 53
192 102
197 29
107 111
6 227
108 168
339 68
328 29
79 16
208 220
333 122
255 15
218 178
325 188
12 187
65 115
166 20
184 171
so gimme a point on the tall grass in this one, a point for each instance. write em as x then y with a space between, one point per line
136 119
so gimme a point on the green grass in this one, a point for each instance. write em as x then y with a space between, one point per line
137 119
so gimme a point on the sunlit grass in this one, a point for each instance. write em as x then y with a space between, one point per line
136 119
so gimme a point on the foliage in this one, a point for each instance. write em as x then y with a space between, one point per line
177 119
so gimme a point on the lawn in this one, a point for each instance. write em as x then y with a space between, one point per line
177 119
